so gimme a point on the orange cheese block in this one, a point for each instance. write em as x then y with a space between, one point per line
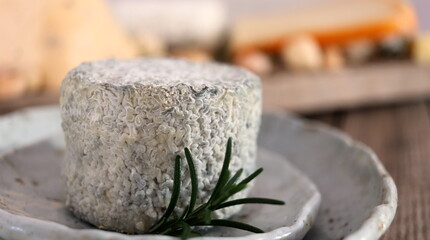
334 23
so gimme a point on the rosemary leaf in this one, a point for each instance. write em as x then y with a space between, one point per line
185 213
176 188
194 181
227 194
186 231
175 195
250 201
223 177
252 176
225 188
234 178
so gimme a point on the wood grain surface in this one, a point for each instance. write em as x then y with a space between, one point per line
366 85
27 101
400 136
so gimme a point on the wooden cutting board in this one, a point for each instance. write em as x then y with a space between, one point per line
371 84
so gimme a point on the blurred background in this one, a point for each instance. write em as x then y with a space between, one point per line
362 66
313 56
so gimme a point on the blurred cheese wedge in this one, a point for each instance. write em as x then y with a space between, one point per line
77 31
12 85
421 49
21 27
334 23
42 40
187 23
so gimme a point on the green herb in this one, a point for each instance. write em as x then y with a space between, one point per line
225 188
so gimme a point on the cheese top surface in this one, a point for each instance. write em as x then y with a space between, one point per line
157 71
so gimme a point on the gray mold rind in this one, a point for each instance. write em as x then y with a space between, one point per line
125 121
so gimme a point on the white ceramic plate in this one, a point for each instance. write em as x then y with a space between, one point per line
31 189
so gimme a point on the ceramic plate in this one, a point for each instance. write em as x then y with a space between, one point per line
359 198
31 189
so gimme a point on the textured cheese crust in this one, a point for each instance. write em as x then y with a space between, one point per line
125 121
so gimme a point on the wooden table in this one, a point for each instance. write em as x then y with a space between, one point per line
400 136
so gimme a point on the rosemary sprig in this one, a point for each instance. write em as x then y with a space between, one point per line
225 188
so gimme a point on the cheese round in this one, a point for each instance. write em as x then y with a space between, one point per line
124 122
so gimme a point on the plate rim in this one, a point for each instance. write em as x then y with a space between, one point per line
381 215
8 220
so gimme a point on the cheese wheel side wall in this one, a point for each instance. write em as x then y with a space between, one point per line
122 141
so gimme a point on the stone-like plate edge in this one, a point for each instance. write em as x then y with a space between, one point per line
383 214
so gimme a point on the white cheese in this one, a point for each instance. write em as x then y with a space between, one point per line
179 22
125 121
